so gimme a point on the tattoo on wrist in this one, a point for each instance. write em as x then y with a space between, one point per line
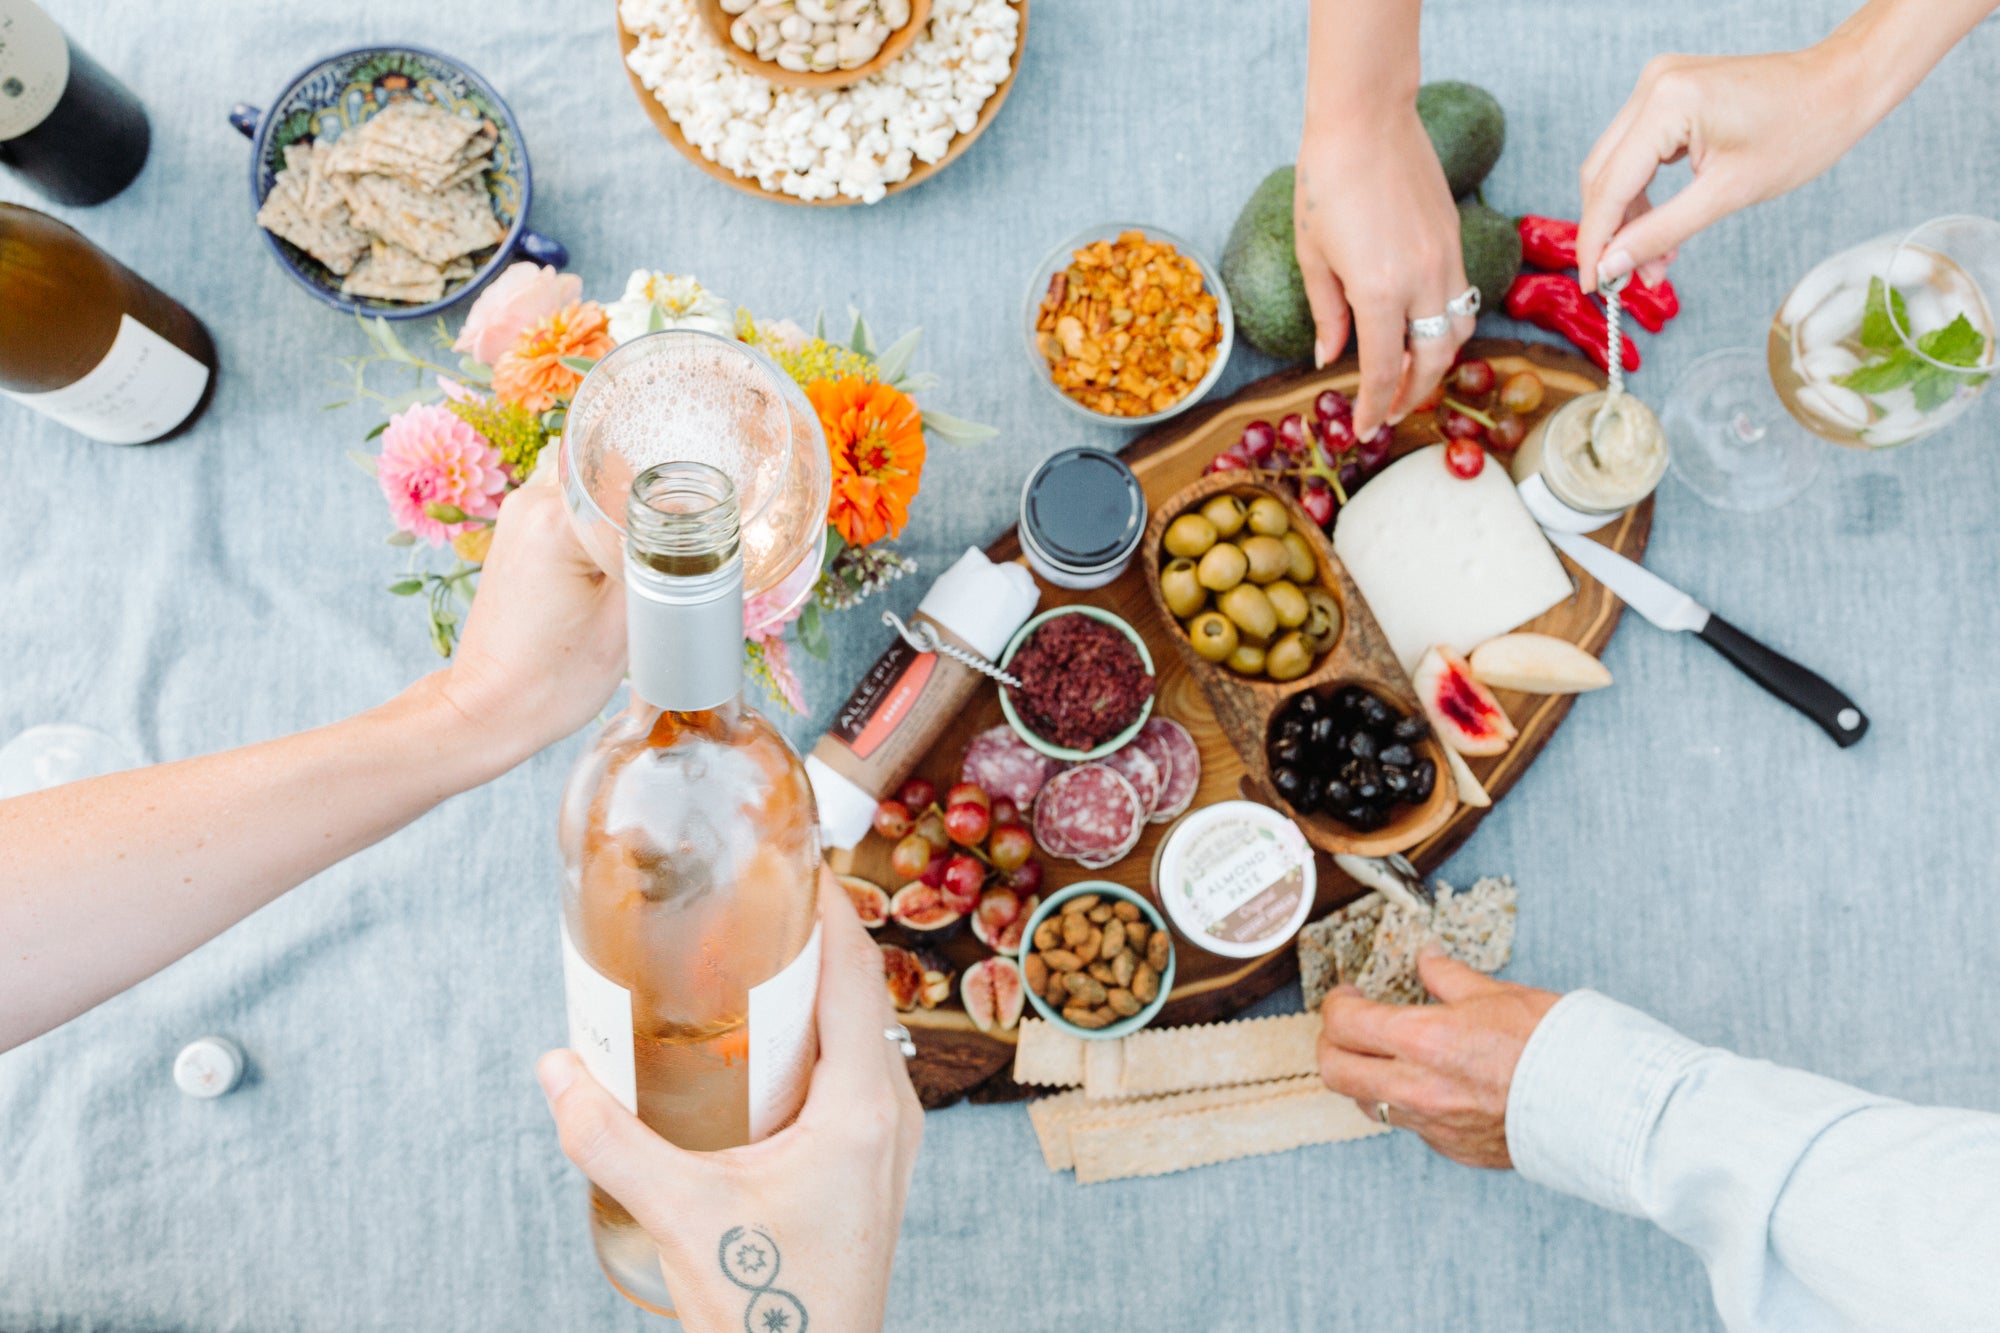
749 1258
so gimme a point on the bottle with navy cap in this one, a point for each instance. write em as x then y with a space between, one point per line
1083 515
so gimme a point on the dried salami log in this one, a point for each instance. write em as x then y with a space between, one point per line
1005 765
1092 810
1184 756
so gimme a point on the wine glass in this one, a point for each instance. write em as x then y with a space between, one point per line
55 753
1878 346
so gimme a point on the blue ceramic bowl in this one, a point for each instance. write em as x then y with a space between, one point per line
341 91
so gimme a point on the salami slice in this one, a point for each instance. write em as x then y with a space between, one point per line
1137 767
1091 810
1184 771
1005 765
1161 752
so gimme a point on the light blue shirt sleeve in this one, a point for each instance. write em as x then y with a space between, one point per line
1814 1205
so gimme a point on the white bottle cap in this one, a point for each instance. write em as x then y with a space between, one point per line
208 1067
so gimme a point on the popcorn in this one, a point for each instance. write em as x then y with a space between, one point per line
856 141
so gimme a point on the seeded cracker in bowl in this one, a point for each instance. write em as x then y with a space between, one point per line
855 142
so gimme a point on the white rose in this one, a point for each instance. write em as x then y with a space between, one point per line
674 302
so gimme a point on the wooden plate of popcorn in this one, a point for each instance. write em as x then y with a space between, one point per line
672 51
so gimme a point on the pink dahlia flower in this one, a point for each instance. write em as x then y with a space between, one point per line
432 458
521 295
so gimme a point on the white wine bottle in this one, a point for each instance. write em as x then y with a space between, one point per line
691 856
87 341
67 127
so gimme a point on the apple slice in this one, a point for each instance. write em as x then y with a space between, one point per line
1537 664
1469 791
1463 712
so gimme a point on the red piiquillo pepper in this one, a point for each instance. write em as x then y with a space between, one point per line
1550 244
1554 301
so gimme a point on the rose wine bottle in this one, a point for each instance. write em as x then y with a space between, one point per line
87 341
691 857
74 132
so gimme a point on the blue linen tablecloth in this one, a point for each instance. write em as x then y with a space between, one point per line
1685 843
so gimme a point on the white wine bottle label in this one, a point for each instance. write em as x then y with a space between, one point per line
143 388
600 1025
34 66
784 1042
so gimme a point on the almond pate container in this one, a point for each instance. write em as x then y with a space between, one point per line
1236 878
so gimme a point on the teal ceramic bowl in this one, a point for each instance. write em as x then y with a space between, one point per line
1118 892
1117 742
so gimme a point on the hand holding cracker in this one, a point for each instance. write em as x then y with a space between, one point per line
1442 1070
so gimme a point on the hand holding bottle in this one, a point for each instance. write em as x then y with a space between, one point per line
805 1220
544 645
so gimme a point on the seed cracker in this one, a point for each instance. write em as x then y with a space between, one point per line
1215 1055
436 227
310 216
1292 1115
1334 949
1046 1056
414 141
1374 944
390 273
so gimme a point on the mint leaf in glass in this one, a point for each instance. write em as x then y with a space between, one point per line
1891 372
1956 344
1878 328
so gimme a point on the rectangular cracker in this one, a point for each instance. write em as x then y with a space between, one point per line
1047 1057
415 141
436 227
390 273
1334 949
310 217
1293 1115
1103 1068
1052 1117
1215 1055
1055 1117
1391 974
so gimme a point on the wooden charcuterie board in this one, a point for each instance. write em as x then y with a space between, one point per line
954 1059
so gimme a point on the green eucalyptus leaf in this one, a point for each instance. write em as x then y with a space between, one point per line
955 430
819 324
407 587
392 343
860 340
380 426
364 461
920 382
835 544
476 371
580 364
812 631
401 538
892 364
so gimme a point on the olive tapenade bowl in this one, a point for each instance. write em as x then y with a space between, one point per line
1247 708
1050 748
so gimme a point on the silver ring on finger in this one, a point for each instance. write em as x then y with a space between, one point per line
900 1036
1465 305
1382 1112
1430 328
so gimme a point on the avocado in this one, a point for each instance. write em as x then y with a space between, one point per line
1261 270
1468 129
1490 243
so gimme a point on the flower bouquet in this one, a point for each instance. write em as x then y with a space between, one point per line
467 433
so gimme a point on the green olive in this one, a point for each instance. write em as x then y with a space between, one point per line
1222 568
1322 622
1267 558
1300 553
1248 660
1181 590
1289 658
1268 517
1288 602
1247 605
1213 636
1226 513
1190 535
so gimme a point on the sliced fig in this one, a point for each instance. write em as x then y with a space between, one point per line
998 909
1537 664
1464 713
938 976
993 994
923 912
871 900
904 975
1010 939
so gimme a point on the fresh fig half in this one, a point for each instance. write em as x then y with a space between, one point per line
1010 938
871 900
904 975
998 910
993 994
923 912
938 976
1464 712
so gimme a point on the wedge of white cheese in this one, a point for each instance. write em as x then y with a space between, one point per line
1443 559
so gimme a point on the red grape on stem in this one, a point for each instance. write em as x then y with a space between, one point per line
1465 458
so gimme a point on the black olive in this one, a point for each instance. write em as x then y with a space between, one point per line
1395 781
1368 818
1422 778
1362 745
1368 782
1337 794
1397 756
1324 731
1292 729
1306 704
1349 697
1289 782
1288 752
1411 729
1374 712
1313 795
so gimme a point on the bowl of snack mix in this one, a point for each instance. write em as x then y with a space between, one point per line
1128 325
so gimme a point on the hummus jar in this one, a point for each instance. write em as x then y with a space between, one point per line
1592 479
1237 878
1082 517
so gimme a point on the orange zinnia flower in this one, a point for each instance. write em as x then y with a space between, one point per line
531 373
876 436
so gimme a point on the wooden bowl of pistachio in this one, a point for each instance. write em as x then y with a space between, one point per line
815 44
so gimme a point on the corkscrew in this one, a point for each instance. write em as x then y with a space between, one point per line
924 638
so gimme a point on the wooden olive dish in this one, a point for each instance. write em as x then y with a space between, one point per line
1246 707
897 42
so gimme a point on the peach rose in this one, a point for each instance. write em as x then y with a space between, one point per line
522 294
